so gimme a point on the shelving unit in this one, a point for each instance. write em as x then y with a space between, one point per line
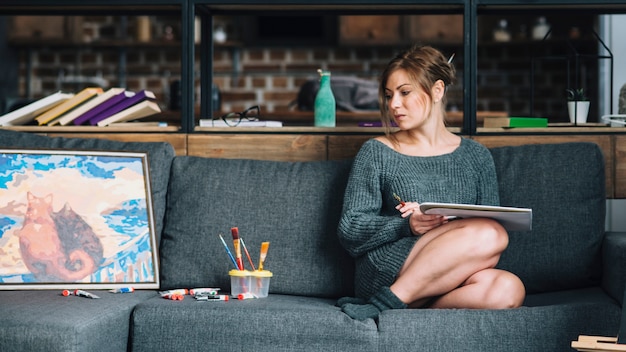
308 143
471 10
570 58
206 9
115 8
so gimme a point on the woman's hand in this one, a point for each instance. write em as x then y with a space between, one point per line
419 222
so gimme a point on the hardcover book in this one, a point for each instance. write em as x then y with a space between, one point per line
237 123
510 122
27 113
102 107
70 116
122 105
67 105
137 111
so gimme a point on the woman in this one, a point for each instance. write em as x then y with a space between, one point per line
405 258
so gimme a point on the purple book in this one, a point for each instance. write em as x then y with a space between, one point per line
102 107
122 105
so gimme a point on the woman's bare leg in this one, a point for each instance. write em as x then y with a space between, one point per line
454 262
487 289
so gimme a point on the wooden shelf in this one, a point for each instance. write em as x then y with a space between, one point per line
303 130
554 130
130 127
120 43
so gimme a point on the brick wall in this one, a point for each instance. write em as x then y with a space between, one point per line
271 76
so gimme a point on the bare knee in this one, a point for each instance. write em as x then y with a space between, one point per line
489 237
507 291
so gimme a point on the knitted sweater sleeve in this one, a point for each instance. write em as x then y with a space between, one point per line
363 225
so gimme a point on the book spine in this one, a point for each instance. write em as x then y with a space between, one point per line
528 122
99 109
124 104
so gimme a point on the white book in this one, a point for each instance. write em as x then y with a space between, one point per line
74 113
27 113
243 123
137 111
513 219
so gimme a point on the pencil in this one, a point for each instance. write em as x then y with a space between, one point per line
397 197
228 251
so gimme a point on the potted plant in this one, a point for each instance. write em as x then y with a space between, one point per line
577 105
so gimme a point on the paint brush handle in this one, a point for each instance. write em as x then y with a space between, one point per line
228 252
237 244
245 249
264 247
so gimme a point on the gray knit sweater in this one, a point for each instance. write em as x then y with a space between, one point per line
372 230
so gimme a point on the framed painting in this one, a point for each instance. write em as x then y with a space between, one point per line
76 219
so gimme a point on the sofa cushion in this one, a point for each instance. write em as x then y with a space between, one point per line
293 205
160 155
48 321
276 323
564 184
550 327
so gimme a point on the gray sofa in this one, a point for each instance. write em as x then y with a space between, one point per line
574 272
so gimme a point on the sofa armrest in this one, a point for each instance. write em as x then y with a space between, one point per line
614 264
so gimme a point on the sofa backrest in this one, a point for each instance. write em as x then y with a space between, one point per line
296 207
293 205
160 156
564 184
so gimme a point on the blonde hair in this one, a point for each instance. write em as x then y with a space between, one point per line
424 65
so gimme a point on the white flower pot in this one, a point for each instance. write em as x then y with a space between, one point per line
578 111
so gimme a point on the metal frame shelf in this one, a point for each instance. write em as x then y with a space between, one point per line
206 9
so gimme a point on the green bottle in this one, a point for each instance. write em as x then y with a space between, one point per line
324 102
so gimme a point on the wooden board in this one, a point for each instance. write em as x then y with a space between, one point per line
597 343
620 166
346 147
383 29
283 147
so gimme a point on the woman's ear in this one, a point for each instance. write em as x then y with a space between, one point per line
438 90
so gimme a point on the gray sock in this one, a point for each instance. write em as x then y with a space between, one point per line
383 300
350 300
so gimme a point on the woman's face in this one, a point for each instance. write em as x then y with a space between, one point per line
408 104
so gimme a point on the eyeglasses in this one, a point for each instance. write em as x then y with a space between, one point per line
233 119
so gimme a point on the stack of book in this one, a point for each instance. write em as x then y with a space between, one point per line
91 106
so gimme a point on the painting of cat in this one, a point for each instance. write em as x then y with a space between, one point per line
57 247
76 219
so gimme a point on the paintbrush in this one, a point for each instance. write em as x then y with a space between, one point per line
228 252
245 249
237 244
264 247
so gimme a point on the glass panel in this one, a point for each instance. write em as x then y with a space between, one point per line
527 62
271 69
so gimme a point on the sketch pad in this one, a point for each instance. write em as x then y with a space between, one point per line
513 219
